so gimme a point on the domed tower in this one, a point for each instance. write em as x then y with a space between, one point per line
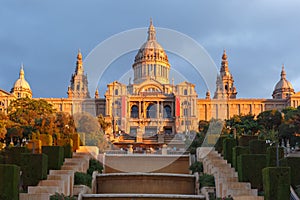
151 60
21 87
283 88
79 82
224 84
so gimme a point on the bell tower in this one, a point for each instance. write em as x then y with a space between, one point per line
79 83
224 85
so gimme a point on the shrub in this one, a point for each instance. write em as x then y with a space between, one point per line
293 163
9 184
12 155
46 139
2 161
34 168
82 179
94 165
57 196
237 151
55 156
258 147
68 147
34 144
272 155
76 141
250 169
276 181
219 144
207 180
228 145
197 167
245 139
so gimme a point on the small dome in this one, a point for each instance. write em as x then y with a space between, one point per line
283 83
21 87
283 88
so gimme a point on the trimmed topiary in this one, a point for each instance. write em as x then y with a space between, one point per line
249 169
237 151
76 141
46 140
196 167
95 165
276 182
245 139
272 155
219 144
293 163
258 147
9 182
34 168
228 145
82 179
55 156
12 155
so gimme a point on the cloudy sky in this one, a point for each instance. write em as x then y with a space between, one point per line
259 36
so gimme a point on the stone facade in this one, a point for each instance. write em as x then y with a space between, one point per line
152 104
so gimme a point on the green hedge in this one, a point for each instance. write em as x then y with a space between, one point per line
2 161
249 169
245 139
258 147
228 145
82 179
293 163
196 167
237 151
219 144
276 181
207 180
68 151
272 155
55 156
9 182
34 168
12 155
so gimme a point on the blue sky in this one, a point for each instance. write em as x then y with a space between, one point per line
259 36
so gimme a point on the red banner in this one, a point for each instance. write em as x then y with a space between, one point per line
177 107
124 106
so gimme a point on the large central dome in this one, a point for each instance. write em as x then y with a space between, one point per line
151 60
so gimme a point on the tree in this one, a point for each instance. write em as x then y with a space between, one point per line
270 120
64 123
243 124
103 124
31 115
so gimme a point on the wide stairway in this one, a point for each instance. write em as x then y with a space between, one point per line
143 177
226 178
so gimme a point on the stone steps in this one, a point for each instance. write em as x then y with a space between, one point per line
226 178
59 181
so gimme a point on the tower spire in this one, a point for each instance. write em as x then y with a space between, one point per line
151 31
21 74
283 74
79 67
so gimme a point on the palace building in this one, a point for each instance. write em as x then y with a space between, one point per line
152 103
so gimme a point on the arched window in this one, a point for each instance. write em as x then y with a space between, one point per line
167 112
116 92
185 92
134 112
151 111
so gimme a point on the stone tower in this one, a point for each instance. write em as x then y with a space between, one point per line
79 83
224 85
283 88
21 87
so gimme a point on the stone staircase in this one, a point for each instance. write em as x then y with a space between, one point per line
226 178
59 181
